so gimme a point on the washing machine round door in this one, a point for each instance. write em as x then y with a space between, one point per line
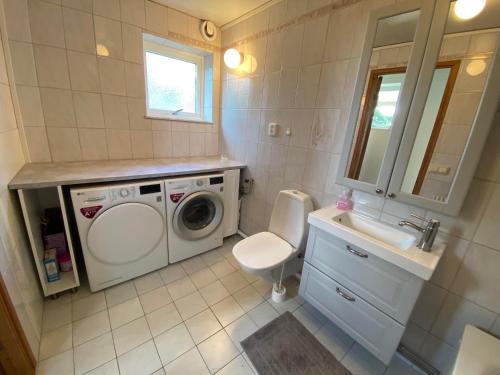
198 215
125 233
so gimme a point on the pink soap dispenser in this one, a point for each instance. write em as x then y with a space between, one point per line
344 201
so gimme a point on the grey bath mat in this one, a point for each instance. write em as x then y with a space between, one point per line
285 346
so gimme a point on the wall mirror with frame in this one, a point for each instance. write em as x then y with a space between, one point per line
423 108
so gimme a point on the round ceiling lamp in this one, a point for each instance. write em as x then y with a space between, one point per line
232 58
467 9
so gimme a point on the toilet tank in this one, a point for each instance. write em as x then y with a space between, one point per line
289 216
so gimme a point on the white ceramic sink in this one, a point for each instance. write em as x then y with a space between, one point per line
382 240
376 230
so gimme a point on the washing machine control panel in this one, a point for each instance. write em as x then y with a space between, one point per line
123 193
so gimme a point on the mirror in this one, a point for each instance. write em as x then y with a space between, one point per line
392 47
458 82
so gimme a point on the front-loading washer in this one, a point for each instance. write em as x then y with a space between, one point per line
195 210
122 230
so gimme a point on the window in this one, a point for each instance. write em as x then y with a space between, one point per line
178 80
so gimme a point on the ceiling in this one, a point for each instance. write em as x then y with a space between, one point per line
218 11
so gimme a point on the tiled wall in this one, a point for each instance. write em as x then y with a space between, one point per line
16 265
302 76
79 105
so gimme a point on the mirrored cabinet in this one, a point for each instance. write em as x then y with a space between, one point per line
425 97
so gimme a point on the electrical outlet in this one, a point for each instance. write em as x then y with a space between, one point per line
272 129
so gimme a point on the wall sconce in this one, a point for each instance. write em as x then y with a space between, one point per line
467 9
233 58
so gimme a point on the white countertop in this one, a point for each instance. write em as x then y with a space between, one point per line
479 353
39 175
413 260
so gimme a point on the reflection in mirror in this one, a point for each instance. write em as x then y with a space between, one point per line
452 102
392 48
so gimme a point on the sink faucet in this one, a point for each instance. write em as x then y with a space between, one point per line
429 232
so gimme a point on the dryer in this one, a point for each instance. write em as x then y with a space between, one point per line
122 230
195 211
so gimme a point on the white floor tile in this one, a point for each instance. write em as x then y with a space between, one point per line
399 366
311 318
264 287
110 368
55 316
190 305
248 298
203 277
60 364
125 312
290 304
249 363
251 278
234 282
189 363
240 330
211 257
148 282
335 340
202 326
222 268
89 305
159 372
120 293
173 343
130 335
82 292
155 299
90 327
227 310
181 288
214 292
360 362
94 353
172 273
142 360
263 314
237 366
193 264
218 351
163 319
56 341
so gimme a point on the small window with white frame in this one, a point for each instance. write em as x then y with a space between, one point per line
178 80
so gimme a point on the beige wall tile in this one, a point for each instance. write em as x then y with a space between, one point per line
38 144
314 41
156 18
108 36
112 76
119 145
12 156
142 144
64 144
136 113
51 67
115 112
23 63
88 110
83 72
46 23
180 143
85 5
133 12
134 74
197 144
93 143
17 18
162 143
79 30
7 117
107 8
30 105
177 22
132 43
58 108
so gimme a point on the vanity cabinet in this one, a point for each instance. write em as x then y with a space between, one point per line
366 296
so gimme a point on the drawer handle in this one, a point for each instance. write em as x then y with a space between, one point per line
356 252
345 295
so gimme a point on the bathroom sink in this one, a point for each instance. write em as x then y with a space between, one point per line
376 230
380 239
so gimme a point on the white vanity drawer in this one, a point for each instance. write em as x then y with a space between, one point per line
371 328
387 287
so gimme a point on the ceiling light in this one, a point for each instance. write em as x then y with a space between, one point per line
467 9
475 67
232 58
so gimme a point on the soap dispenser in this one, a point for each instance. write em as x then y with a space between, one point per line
344 201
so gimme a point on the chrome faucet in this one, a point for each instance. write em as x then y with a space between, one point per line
429 232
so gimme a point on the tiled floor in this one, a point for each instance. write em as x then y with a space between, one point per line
187 318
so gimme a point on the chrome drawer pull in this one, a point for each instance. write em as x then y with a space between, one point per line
356 252
345 295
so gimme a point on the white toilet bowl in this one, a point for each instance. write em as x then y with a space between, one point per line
276 254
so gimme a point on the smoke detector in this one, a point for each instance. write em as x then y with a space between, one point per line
208 30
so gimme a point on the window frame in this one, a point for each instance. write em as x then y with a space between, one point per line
177 54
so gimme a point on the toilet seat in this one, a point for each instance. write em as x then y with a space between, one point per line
262 251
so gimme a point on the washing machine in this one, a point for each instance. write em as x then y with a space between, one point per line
195 211
122 230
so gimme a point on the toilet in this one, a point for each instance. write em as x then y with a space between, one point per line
276 254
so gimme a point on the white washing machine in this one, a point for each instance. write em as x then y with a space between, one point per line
195 210
122 230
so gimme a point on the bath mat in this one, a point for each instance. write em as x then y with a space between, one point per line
285 346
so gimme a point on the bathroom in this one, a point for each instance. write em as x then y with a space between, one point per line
269 106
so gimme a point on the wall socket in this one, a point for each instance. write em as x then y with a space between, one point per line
272 129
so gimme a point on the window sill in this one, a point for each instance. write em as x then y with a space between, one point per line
178 119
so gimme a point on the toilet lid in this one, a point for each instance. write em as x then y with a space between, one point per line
262 251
